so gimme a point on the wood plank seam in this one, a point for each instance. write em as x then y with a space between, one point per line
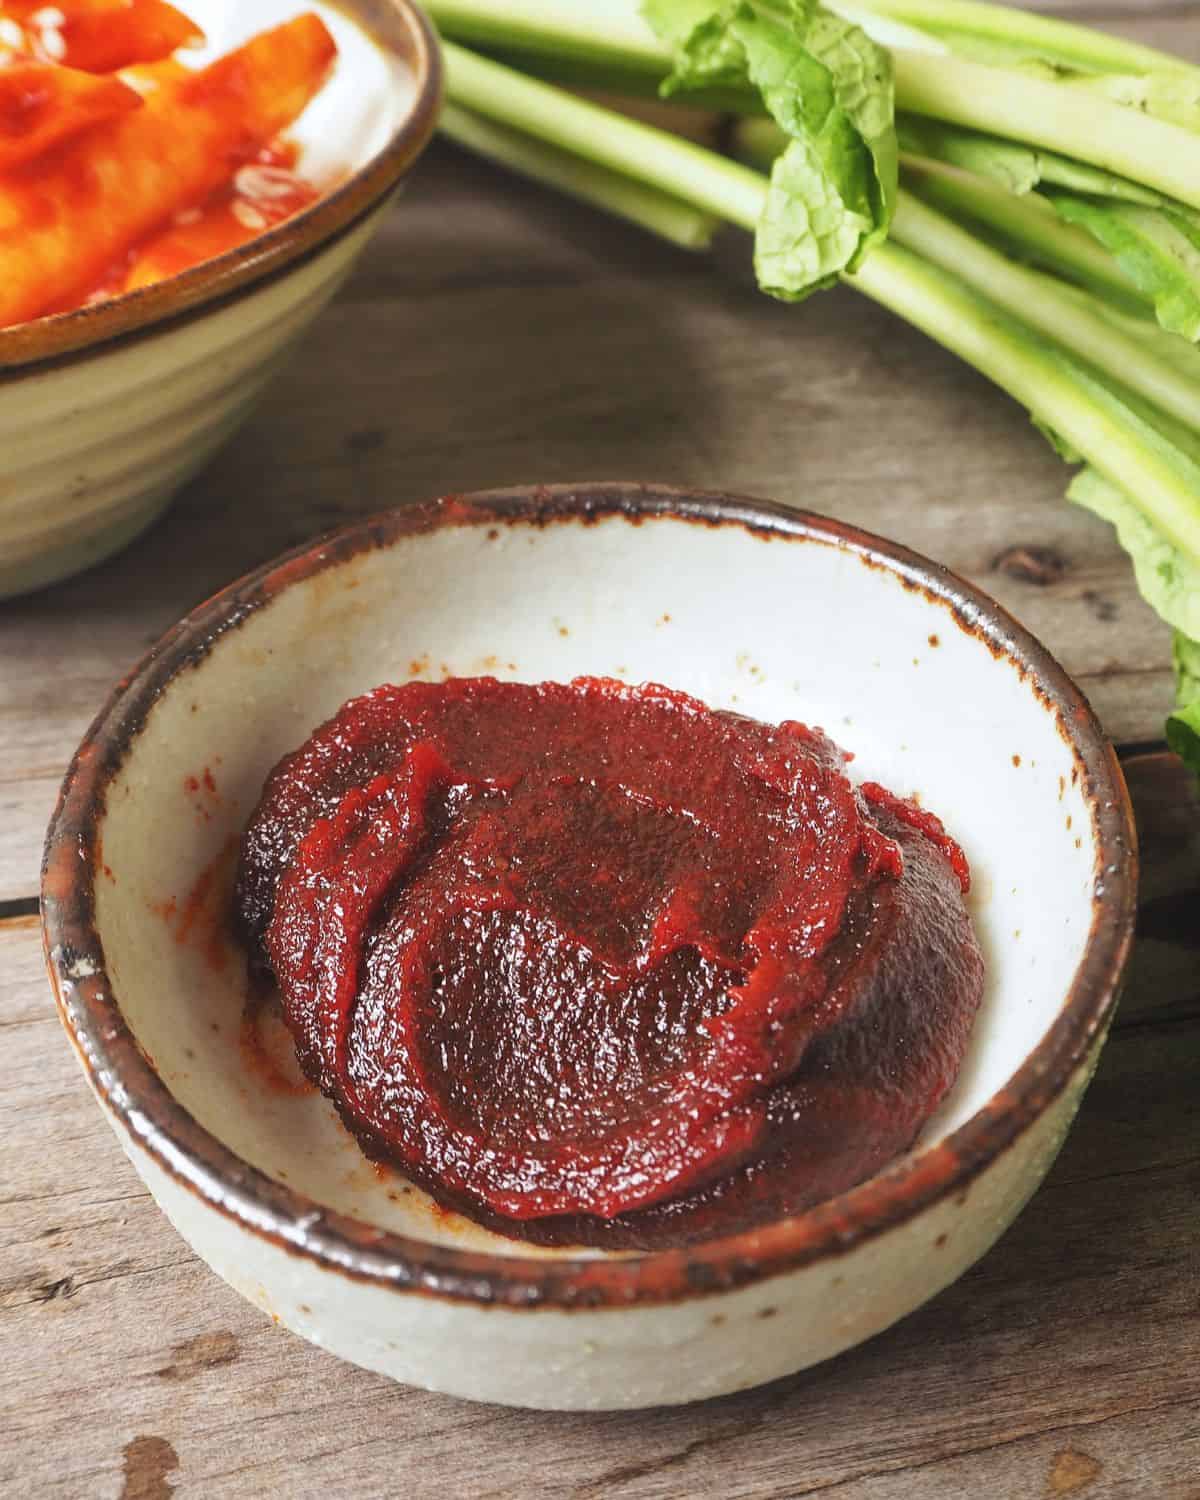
971 1452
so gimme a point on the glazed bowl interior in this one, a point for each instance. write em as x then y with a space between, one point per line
359 107
768 612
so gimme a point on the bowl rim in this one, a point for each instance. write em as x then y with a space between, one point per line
64 338
140 1103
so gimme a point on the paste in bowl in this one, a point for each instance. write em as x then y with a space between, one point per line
598 964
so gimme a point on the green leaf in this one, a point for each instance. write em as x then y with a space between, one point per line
1167 347
1158 249
1027 226
676 21
1163 439
889 32
706 55
1113 428
1082 177
1170 583
1183 735
829 88
1167 579
808 234
1183 726
1015 168
1053 115
862 79
1186 653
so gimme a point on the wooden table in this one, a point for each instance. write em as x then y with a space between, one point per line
495 335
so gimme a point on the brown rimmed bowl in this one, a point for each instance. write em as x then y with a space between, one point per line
106 411
749 605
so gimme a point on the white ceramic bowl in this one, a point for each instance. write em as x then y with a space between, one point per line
106 411
774 612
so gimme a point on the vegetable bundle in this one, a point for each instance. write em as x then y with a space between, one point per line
1025 190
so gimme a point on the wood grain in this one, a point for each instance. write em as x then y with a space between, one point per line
497 335
1063 1363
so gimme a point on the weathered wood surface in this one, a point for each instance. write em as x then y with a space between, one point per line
1064 1363
496 335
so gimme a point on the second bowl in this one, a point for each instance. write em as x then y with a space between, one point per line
106 411
749 606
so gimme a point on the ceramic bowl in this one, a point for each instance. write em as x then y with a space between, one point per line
750 606
106 411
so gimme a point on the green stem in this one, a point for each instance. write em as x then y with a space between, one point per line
1030 369
1073 121
758 141
614 192
611 76
1078 407
1044 303
1060 41
603 38
613 32
664 161
601 33
1012 164
607 47
1027 223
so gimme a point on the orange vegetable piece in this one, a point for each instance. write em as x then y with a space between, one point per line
41 105
68 217
261 196
99 36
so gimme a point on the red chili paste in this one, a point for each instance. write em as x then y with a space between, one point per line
597 963
260 195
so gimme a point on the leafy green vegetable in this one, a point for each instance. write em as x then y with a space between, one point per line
1028 226
1074 321
607 27
1013 167
1083 124
1159 250
607 43
810 231
1170 583
689 173
1167 348
1187 668
1079 177
1088 416
1183 726
1013 32
888 31
1170 96
829 89
1167 579
706 54
990 183
611 191
608 33
1017 168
